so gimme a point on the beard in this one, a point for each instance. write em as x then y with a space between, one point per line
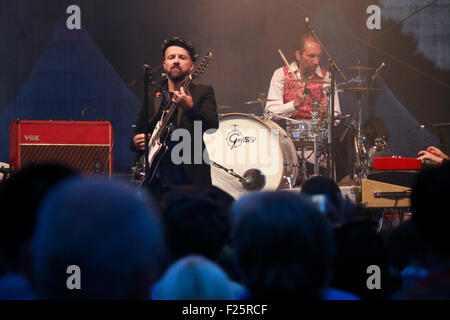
177 75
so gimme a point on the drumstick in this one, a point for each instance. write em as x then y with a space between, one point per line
287 63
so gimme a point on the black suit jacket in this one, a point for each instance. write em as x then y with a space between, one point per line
204 110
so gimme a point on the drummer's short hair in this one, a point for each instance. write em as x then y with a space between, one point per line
300 45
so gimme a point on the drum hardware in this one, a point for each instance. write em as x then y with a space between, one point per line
288 180
316 103
333 67
253 179
261 99
362 90
339 117
362 158
356 79
271 114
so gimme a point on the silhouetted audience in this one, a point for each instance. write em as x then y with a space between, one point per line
201 244
20 197
195 278
337 209
283 245
107 230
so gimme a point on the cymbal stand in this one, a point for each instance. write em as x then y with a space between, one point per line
262 96
361 166
316 156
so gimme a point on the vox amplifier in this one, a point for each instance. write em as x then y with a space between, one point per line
85 146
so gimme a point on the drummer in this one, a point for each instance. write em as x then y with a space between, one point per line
288 98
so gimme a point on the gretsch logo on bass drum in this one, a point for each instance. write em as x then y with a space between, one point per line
31 138
235 138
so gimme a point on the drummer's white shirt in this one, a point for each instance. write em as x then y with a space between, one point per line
276 92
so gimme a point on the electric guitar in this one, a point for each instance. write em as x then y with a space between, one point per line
157 146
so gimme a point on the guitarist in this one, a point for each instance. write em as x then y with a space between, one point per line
198 103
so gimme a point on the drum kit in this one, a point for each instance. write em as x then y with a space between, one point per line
270 151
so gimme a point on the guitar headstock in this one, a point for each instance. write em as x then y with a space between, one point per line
202 66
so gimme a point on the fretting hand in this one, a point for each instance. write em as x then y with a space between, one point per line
183 98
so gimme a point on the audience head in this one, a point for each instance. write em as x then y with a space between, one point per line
195 278
106 229
337 209
20 197
283 244
430 203
194 223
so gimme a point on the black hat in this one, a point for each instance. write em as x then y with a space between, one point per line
179 42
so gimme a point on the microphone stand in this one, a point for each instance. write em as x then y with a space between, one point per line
331 163
147 78
250 179
359 138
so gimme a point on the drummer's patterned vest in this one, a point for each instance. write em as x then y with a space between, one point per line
304 112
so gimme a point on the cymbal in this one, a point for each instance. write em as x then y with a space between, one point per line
359 67
259 100
362 90
221 107
307 81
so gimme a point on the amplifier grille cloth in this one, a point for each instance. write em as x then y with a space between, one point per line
81 158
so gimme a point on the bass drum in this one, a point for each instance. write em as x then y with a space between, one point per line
244 143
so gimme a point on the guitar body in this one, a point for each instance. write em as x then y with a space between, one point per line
157 148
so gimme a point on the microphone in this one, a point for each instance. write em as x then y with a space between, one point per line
377 72
307 25
253 179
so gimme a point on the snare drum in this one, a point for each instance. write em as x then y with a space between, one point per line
244 142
